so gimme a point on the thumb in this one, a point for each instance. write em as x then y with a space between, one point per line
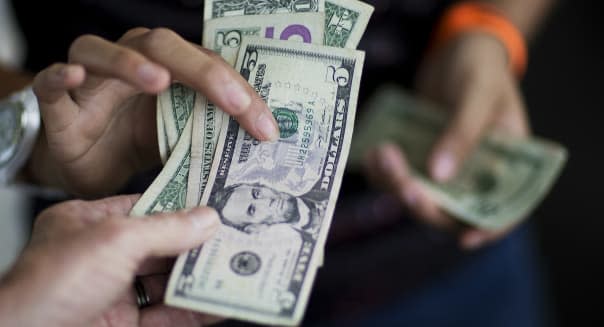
169 234
52 86
465 129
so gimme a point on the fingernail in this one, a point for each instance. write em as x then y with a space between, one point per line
445 166
59 75
62 72
237 96
204 218
148 72
266 125
473 242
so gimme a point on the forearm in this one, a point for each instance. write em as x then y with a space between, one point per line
527 15
40 168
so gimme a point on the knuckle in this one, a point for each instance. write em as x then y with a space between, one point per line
133 32
125 60
45 217
54 67
79 43
44 76
208 212
59 211
40 80
113 231
168 219
72 206
43 82
459 140
156 39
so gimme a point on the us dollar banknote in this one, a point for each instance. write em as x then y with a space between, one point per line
174 107
169 189
162 138
501 182
207 124
345 22
222 8
168 192
276 200
224 36
167 121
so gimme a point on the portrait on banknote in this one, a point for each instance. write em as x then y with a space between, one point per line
266 207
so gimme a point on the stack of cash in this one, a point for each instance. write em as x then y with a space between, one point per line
275 199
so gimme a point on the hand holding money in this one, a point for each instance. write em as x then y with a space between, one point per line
78 267
276 200
98 108
471 79
500 182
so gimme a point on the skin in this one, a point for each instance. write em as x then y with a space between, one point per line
102 102
80 264
471 77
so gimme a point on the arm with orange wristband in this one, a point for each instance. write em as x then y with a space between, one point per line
472 66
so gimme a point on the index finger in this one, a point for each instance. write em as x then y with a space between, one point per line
210 75
473 113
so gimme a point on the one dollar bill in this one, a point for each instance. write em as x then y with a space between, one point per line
276 200
499 184
174 107
168 191
345 22
222 8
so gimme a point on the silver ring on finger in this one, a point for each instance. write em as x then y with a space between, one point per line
142 298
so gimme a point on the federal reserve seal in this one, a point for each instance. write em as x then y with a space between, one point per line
287 120
245 263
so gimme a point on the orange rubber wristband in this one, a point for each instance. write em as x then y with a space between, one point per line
473 16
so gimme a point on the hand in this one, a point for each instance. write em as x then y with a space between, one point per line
471 77
79 266
98 108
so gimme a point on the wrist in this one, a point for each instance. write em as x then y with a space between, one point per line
39 169
486 46
471 17
12 305
20 121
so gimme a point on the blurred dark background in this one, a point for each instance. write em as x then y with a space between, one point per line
564 93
